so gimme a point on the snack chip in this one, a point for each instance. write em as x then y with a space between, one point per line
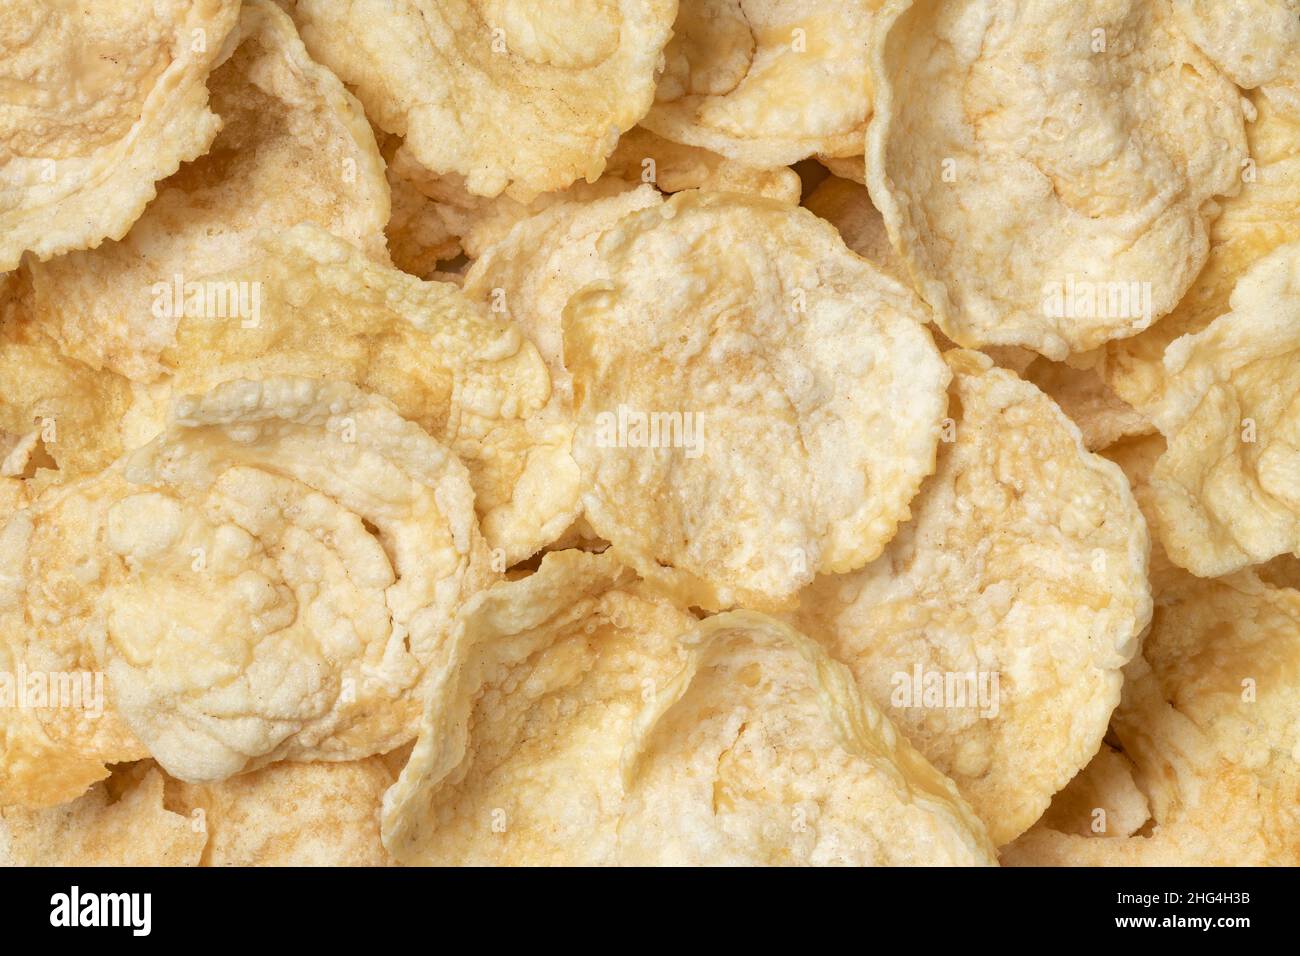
134 829
847 206
587 722
734 343
1137 456
1103 800
1047 170
102 99
59 419
1208 721
767 83
465 432
641 158
530 273
847 167
1077 385
645 157
1261 217
290 814
1256 43
271 578
468 378
294 147
996 623
58 732
551 88
1227 489
421 233
478 222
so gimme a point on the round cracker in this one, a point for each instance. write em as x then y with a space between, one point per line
1102 416
290 814
1103 800
996 623
529 274
847 206
269 579
1256 43
59 419
294 147
121 822
1047 171
551 86
1265 214
755 404
642 158
471 380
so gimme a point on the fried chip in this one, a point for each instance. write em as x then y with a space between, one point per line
472 381
641 158
1047 171
644 157
1227 490
996 623
102 99
588 723
551 87
14 495
295 147
1256 43
419 237
1081 391
1262 216
1137 456
290 814
847 206
735 343
58 732
135 829
847 167
59 419
767 83
530 273
478 222
268 579
420 232
1103 800
1208 721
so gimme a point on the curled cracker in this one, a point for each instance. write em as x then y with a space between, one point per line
471 380
129 827
290 814
1208 721
996 623
767 83
1227 489
1263 215
102 100
764 358
1047 171
271 578
551 88
294 147
587 722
